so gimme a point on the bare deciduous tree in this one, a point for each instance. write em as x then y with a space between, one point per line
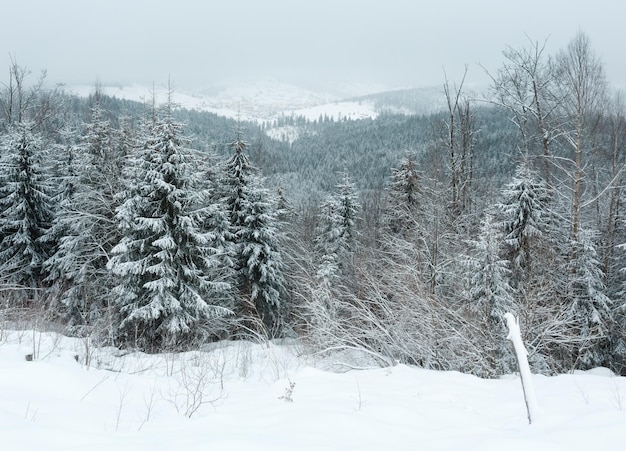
582 91
524 85
459 139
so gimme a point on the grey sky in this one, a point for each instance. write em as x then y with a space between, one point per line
199 43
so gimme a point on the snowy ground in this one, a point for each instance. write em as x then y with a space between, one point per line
237 396
337 111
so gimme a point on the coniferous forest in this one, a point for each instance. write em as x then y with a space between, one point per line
151 227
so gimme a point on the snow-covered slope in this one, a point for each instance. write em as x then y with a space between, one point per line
268 102
344 110
240 396
337 111
256 102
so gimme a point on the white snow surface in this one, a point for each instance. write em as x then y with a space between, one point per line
236 396
337 111
346 110
288 133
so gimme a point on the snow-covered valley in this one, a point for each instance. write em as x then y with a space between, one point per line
269 102
260 102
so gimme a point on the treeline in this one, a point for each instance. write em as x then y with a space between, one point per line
406 238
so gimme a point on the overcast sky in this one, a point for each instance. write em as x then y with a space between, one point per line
197 43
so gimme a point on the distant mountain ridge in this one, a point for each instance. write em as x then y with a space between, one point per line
266 101
421 101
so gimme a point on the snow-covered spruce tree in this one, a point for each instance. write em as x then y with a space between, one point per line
533 248
336 232
590 308
524 215
86 219
68 162
284 209
165 294
490 296
403 197
348 208
328 240
216 223
257 242
322 312
260 249
26 210
618 334
407 234
335 244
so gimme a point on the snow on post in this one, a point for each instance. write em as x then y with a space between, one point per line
524 369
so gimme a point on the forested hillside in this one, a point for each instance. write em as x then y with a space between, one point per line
153 227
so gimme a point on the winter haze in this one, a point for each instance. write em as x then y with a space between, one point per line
395 43
322 239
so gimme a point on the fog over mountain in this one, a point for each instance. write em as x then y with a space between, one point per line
395 43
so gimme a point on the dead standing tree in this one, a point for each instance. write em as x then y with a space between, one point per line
460 138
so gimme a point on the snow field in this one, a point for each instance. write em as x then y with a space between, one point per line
234 395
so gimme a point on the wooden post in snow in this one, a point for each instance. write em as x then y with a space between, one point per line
524 369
